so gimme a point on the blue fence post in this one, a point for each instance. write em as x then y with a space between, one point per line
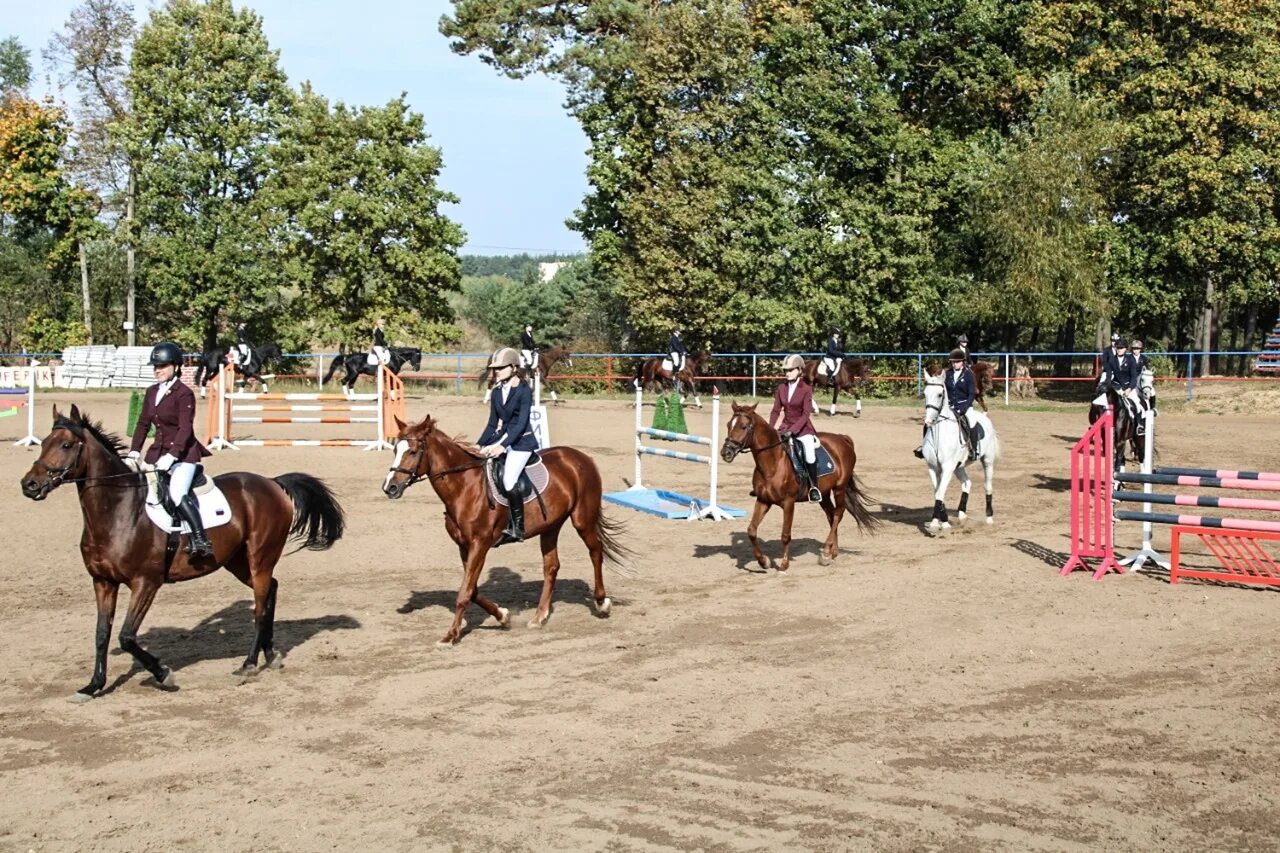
1191 369
457 382
919 374
753 375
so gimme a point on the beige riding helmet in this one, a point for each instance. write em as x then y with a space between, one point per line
505 357
792 361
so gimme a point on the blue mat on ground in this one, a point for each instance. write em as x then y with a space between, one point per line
663 503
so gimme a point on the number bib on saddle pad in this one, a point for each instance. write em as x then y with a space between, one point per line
533 480
214 508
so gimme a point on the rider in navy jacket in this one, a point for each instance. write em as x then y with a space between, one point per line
961 390
509 433
1127 370
1110 362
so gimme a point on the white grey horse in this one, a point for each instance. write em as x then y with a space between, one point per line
945 453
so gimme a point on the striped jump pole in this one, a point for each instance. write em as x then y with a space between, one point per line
1201 482
1219 474
1199 520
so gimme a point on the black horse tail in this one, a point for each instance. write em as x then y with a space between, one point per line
856 501
333 367
318 520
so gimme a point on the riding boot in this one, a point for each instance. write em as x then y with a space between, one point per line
815 494
919 451
197 542
514 531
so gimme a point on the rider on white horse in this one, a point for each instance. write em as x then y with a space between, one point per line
946 453
378 351
528 348
961 391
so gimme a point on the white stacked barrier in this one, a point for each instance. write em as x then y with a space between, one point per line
87 367
665 503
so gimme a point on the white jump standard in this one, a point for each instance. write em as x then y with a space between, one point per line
663 502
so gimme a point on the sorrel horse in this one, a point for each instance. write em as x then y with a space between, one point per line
455 471
547 359
775 484
852 377
651 374
983 381
120 545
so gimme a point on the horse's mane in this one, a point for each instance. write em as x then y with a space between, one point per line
83 425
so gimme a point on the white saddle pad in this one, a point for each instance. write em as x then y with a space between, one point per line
1100 400
666 365
214 509
824 367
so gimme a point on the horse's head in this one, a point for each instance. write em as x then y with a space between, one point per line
699 360
415 359
412 462
1147 384
935 397
740 432
62 455
559 353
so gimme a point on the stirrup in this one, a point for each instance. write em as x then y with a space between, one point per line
815 496
918 452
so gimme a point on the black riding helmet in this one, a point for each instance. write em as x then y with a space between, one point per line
164 353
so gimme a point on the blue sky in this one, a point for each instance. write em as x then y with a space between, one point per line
511 153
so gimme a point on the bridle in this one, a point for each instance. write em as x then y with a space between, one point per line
743 446
418 454
57 476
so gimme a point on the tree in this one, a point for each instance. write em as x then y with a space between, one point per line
363 235
208 99
1196 86
15 66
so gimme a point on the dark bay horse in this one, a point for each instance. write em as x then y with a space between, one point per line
120 545
547 359
357 364
1125 430
852 377
774 482
208 365
650 374
572 494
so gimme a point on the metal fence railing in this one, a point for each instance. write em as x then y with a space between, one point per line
1048 375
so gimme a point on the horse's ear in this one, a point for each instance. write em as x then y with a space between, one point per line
75 412
753 406
56 413
399 424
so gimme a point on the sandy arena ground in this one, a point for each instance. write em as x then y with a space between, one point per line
919 694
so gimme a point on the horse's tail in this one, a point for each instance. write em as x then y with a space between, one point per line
333 367
318 520
856 502
609 530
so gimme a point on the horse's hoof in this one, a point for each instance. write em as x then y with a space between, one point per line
245 673
991 519
504 617
275 660
823 560
80 697
535 622
446 643
603 607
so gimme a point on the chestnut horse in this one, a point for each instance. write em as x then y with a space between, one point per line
852 377
774 482
572 494
651 374
983 380
120 545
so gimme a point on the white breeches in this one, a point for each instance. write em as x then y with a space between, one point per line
810 445
528 358
677 362
832 365
379 355
512 467
240 354
180 476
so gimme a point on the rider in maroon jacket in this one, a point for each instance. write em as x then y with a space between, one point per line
792 403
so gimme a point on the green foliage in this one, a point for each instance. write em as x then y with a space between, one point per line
15 66
361 235
510 266
208 98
